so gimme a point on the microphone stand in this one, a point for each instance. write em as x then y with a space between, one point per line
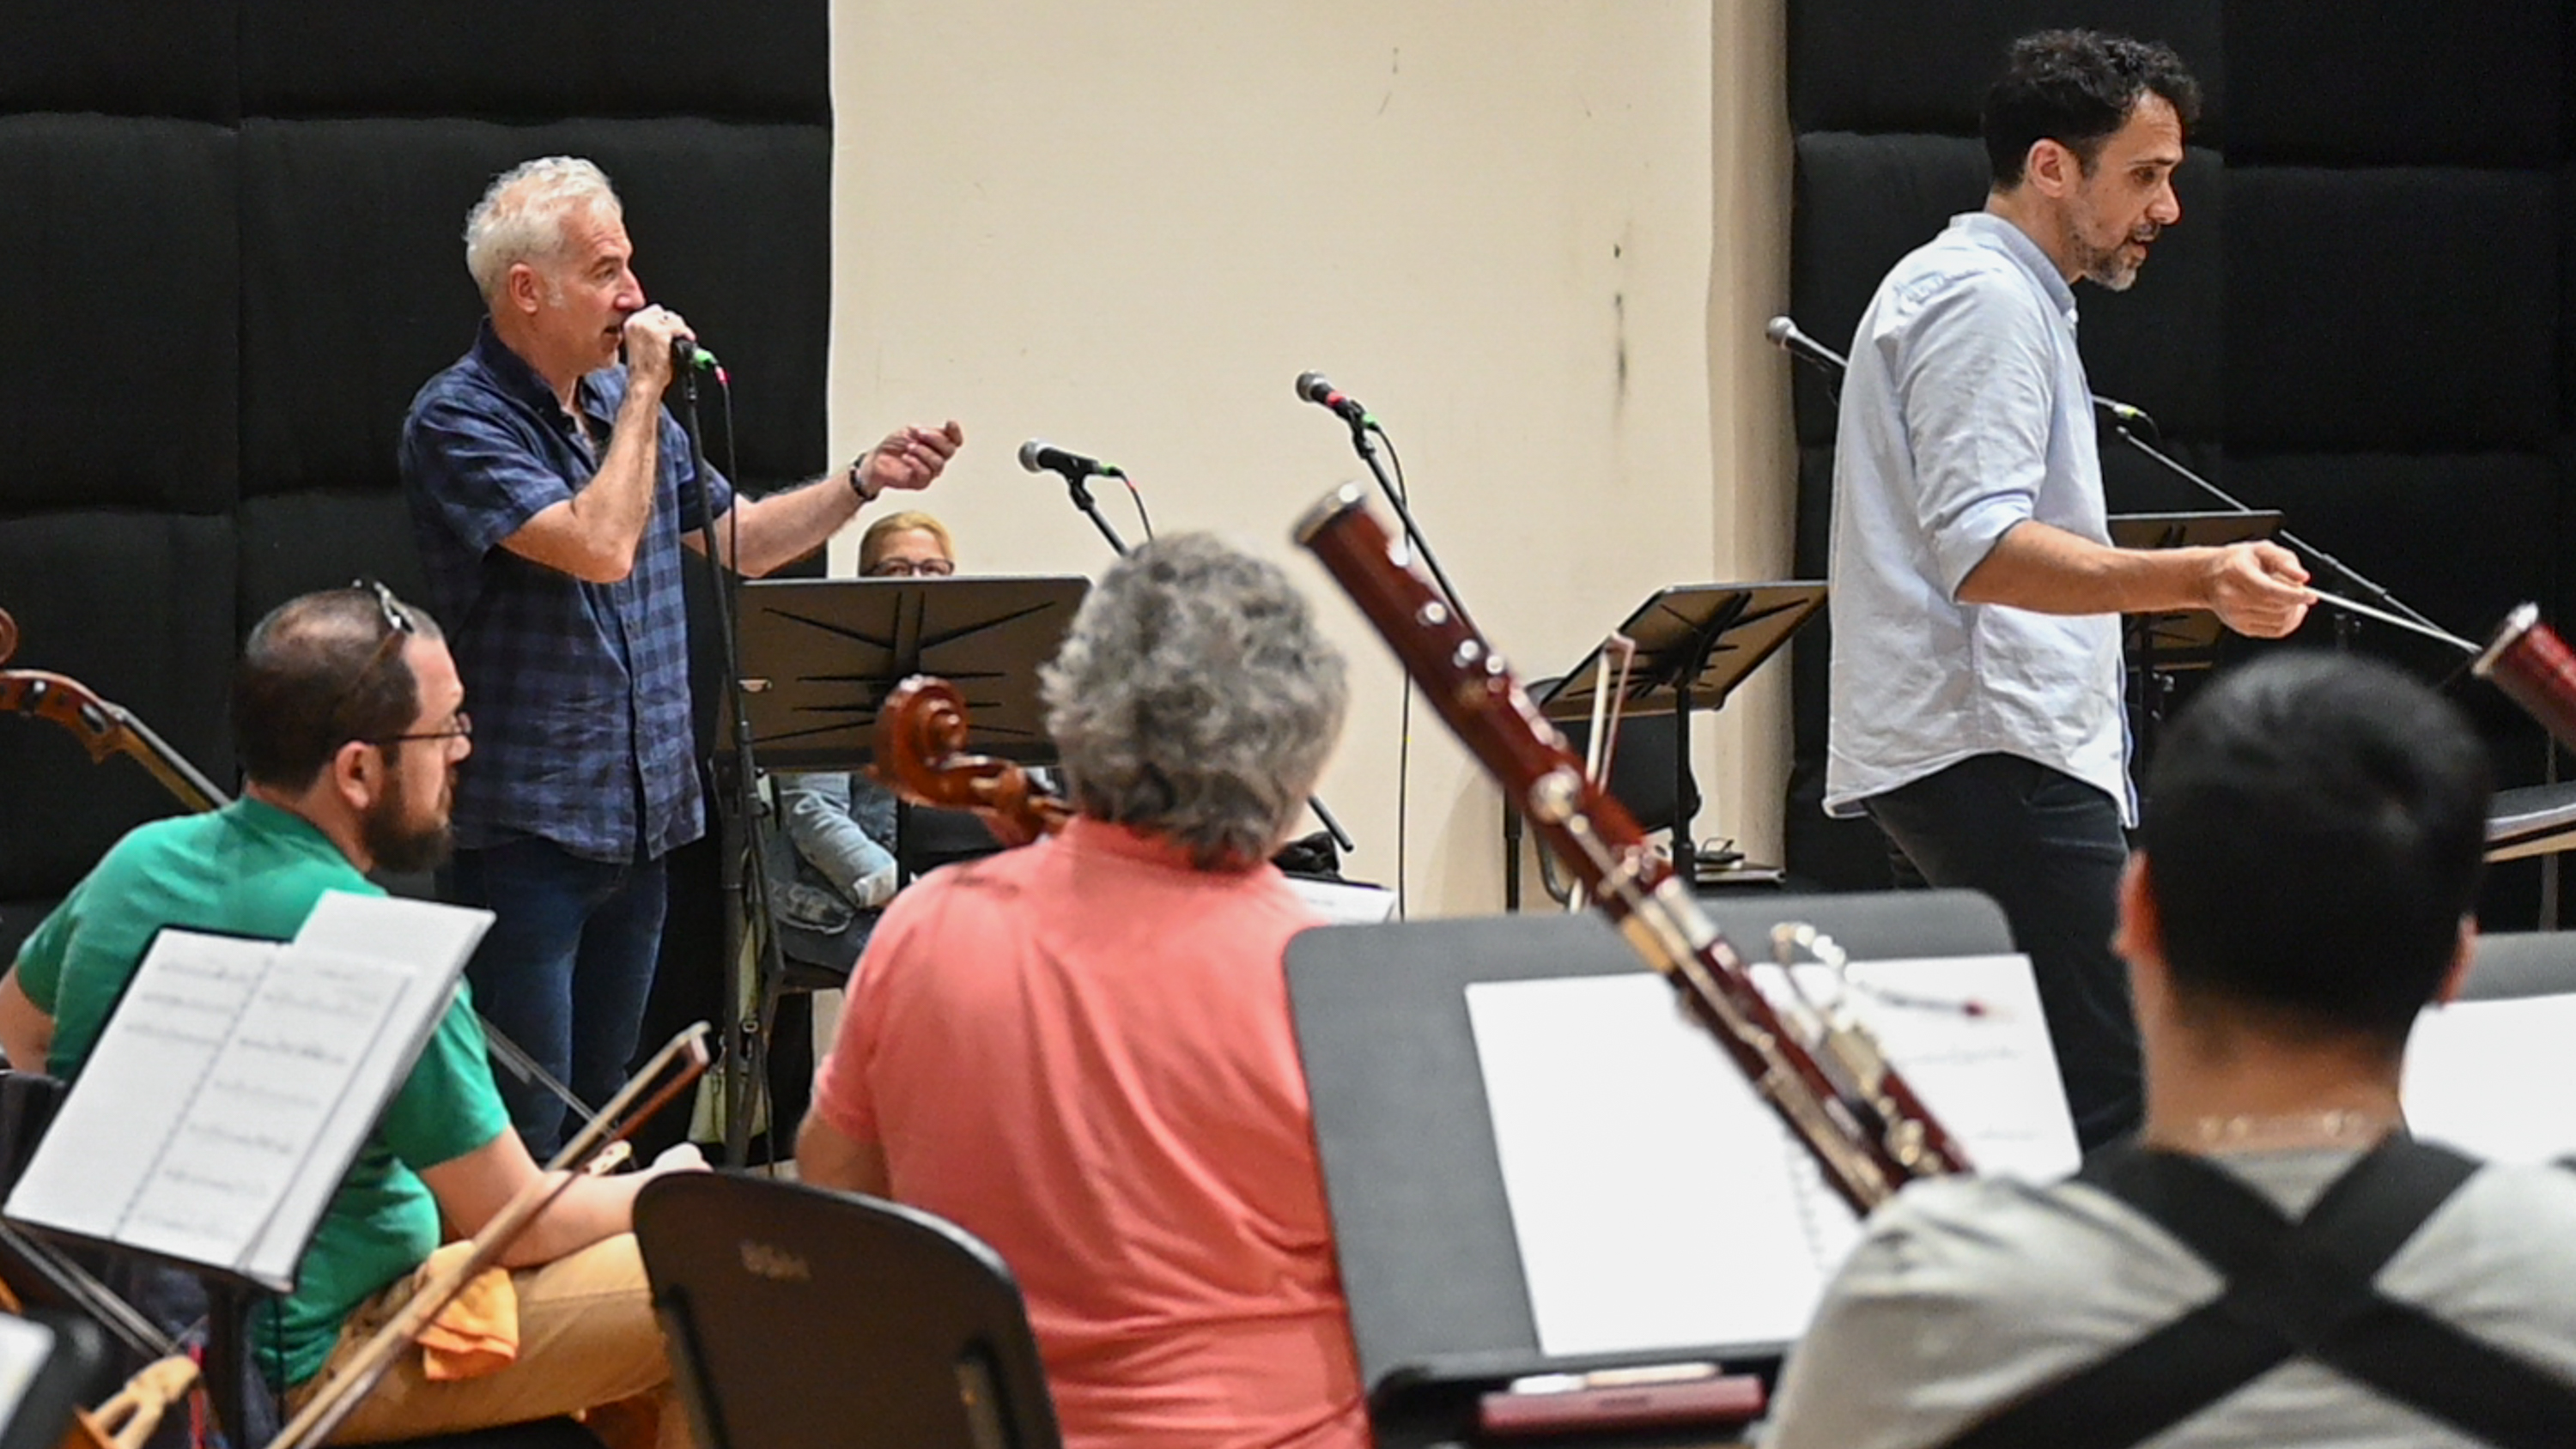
2347 625
742 869
1361 426
2347 622
1080 488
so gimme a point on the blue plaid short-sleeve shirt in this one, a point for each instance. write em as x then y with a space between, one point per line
580 691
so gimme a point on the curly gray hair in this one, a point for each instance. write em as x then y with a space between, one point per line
1196 700
521 215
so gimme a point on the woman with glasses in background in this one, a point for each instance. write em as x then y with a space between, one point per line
911 544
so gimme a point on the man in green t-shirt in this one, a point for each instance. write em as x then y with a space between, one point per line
350 721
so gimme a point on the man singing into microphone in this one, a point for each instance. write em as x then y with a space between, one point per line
1976 668
548 496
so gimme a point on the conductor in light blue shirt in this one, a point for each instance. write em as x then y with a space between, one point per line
1976 707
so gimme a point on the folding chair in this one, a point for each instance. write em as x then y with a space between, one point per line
805 1319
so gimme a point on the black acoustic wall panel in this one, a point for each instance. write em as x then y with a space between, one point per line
2391 308
235 233
509 61
294 543
135 606
2367 316
1887 66
2567 289
119 232
2334 83
120 58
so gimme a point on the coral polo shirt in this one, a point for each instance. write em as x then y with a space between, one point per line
1080 1052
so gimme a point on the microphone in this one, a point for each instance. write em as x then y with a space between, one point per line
1315 388
2124 416
1044 457
686 352
1784 334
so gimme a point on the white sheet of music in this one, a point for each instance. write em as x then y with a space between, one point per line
436 941
1345 903
1659 1205
2486 1077
236 1080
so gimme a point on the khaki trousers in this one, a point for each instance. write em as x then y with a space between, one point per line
587 1338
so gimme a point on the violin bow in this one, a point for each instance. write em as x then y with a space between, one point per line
681 1061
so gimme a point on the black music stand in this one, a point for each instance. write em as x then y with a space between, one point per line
1440 1307
2160 647
1695 644
819 657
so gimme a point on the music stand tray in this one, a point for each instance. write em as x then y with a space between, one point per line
1695 644
2187 639
2531 820
819 657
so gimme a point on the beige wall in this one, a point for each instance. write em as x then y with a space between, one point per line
1538 239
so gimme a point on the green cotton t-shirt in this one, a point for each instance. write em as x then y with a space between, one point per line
251 869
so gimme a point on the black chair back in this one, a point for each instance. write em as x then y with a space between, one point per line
805 1319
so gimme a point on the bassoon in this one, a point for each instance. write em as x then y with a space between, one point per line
1842 1100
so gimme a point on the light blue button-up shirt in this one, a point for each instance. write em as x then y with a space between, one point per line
1965 412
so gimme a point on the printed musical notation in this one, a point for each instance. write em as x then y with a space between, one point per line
258 1114
237 1079
1659 1205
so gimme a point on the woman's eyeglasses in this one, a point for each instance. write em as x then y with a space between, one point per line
904 568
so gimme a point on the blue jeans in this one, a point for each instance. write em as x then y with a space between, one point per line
2049 849
564 971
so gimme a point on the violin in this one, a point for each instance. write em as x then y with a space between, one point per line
103 729
1851 1109
921 756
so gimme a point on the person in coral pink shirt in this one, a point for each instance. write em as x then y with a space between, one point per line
1081 1051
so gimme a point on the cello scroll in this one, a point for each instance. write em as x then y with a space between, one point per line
104 729
921 756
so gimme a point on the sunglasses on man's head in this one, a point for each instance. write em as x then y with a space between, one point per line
398 627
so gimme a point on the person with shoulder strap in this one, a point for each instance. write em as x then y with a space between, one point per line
2273 1260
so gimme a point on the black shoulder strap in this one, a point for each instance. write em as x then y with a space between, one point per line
2292 1289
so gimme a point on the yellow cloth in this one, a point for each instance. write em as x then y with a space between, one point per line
477 1333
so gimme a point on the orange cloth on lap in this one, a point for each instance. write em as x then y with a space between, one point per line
478 1331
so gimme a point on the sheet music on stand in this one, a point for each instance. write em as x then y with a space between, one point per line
1575 1069
236 1080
